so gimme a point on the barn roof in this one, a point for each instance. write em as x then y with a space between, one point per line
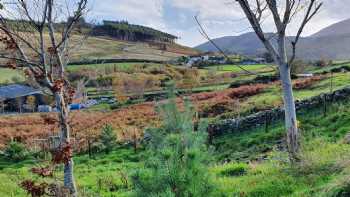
16 90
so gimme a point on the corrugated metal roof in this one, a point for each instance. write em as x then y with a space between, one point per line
16 90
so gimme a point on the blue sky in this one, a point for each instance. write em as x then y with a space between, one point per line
220 17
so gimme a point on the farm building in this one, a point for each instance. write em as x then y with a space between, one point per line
20 98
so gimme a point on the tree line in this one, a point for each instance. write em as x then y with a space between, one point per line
122 30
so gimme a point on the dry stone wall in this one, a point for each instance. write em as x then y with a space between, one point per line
264 118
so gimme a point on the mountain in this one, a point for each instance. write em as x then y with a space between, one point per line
332 42
247 44
337 29
121 40
115 40
106 47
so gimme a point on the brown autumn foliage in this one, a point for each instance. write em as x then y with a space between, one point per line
215 103
125 84
190 79
61 155
34 189
301 84
232 93
128 121
43 171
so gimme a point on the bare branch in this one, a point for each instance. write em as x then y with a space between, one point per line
70 24
276 16
257 28
202 31
312 10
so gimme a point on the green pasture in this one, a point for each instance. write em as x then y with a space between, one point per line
10 76
257 164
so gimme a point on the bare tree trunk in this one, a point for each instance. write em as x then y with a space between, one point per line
69 181
288 98
282 19
290 112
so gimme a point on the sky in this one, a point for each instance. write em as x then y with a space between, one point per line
219 17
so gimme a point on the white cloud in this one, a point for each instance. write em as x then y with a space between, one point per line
209 9
223 18
145 12
219 17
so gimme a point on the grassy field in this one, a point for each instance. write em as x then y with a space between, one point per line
121 66
264 170
236 69
272 96
9 76
321 171
91 48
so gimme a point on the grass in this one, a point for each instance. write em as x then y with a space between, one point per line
322 171
271 96
329 68
257 167
257 143
10 76
236 69
119 66
316 173
100 176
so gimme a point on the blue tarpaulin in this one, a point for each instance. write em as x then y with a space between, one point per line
76 106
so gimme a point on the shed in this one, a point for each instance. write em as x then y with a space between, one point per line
13 97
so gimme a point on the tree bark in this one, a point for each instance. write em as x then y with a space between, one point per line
290 112
69 181
288 98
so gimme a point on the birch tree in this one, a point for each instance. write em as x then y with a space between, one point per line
35 37
283 13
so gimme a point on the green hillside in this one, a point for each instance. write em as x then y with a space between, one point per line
323 169
122 30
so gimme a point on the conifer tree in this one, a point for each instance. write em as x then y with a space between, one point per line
108 138
178 157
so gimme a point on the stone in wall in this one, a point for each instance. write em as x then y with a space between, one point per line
274 115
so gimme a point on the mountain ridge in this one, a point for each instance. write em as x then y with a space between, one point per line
342 28
329 43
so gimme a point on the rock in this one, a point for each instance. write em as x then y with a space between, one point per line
346 139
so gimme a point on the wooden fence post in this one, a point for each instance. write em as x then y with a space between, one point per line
267 121
324 105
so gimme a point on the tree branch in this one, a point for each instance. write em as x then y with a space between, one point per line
310 13
202 31
253 20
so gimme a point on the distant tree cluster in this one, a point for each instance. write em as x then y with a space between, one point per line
124 31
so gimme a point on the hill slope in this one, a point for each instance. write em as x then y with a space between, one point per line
332 42
337 29
109 48
121 40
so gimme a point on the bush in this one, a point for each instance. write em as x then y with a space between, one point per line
235 169
338 188
220 108
264 79
306 83
178 158
16 151
299 67
104 81
115 106
108 139
323 63
245 91
340 69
